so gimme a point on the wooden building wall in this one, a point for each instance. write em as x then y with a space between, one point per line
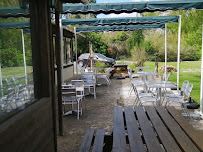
29 130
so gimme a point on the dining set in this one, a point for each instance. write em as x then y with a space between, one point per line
158 91
74 92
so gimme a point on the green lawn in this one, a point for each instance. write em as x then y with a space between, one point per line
189 70
14 71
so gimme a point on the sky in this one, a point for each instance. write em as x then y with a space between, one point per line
122 14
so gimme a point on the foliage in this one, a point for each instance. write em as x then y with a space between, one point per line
135 39
100 64
120 37
11 57
11 51
99 46
9 3
139 54
116 42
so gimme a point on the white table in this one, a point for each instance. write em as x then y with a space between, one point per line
160 85
142 68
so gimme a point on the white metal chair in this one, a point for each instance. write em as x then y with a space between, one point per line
181 99
20 88
90 83
105 76
166 76
181 93
79 86
69 97
131 74
10 100
142 98
134 82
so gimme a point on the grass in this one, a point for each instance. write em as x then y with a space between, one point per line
189 70
14 71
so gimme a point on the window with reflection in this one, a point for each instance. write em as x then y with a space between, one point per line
16 71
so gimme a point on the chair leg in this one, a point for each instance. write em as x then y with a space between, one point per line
78 112
136 102
186 110
94 92
107 81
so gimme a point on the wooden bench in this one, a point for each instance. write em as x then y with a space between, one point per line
93 140
154 129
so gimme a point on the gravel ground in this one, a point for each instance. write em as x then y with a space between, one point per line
98 113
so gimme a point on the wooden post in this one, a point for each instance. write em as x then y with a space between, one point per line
42 52
59 76
53 93
40 37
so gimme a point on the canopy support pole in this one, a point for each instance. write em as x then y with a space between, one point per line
1 84
61 51
24 60
91 55
201 87
165 51
76 51
178 55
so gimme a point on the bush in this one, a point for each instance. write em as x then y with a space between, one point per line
11 57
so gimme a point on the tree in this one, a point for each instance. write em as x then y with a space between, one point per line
99 45
118 43
135 39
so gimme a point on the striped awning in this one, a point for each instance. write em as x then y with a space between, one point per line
150 6
14 25
122 21
6 12
118 28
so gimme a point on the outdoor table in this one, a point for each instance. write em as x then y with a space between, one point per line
90 83
142 68
144 75
124 66
160 85
154 129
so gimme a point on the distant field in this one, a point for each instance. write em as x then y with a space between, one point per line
14 71
189 70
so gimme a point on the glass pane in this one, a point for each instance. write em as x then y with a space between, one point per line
16 72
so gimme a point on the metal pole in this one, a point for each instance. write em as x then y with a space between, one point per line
201 87
62 58
24 59
1 84
165 50
178 55
91 54
76 53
